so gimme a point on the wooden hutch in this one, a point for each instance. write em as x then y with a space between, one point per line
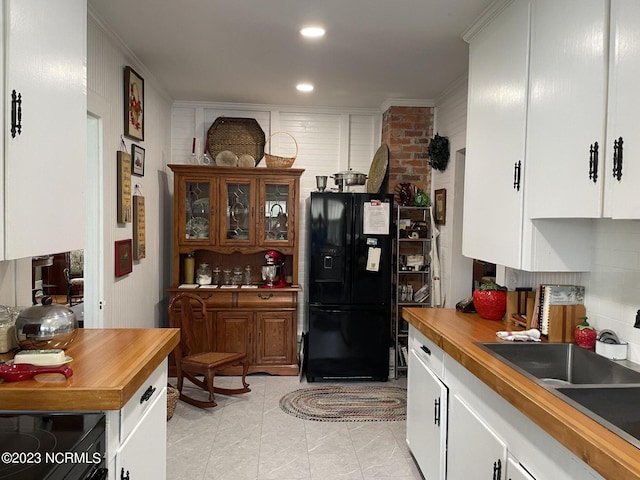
229 217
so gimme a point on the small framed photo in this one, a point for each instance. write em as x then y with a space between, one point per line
440 213
137 160
124 257
133 104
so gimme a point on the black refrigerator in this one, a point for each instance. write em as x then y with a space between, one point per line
347 325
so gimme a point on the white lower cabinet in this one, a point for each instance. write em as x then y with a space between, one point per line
480 435
137 434
515 470
475 450
143 454
426 418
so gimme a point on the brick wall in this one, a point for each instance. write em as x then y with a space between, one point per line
407 131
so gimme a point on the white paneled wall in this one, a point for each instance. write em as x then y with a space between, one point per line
138 299
329 141
451 122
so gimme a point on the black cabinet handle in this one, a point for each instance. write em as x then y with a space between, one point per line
16 113
265 297
436 412
593 162
617 158
516 175
147 394
497 470
425 349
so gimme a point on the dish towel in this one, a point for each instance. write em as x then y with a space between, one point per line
532 335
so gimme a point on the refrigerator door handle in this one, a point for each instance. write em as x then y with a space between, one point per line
328 262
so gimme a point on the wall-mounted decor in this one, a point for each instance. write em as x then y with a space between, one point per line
139 239
124 187
137 160
124 263
133 104
438 151
440 212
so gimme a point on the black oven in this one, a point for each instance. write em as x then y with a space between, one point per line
52 446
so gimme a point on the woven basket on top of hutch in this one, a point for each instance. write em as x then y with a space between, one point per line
228 217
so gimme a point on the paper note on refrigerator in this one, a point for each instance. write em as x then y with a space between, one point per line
376 218
373 259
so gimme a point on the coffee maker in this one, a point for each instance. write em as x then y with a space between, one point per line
273 272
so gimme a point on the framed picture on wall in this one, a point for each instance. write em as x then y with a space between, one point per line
133 104
137 160
124 188
124 257
139 239
440 201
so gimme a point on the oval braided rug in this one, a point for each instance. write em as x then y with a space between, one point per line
347 403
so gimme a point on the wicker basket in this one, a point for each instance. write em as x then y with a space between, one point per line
172 400
238 135
274 161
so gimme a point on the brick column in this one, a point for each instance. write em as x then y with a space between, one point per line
407 131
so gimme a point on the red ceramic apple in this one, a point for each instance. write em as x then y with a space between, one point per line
585 335
490 301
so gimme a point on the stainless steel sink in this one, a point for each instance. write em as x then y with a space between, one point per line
559 364
617 408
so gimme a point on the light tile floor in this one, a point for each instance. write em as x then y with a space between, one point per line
248 437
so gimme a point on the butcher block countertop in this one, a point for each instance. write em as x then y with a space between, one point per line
109 365
455 332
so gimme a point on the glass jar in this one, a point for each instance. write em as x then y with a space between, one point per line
215 278
226 276
237 276
189 264
204 274
248 276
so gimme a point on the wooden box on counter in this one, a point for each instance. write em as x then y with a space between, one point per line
563 319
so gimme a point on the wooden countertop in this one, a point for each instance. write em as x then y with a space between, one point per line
455 332
109 365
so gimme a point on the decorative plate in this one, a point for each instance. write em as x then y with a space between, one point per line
403 193
378 169
197 227
246 160
227 158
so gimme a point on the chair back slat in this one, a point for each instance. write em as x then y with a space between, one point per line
195 331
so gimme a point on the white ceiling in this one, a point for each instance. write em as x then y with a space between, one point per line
250 51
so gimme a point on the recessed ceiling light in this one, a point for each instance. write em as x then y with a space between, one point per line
304 87
312 32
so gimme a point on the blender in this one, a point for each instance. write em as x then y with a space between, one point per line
273 272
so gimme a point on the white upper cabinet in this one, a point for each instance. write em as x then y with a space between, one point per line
496 228
496 119
623 122
567 94
44 126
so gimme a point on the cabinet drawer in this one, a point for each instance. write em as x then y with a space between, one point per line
135 408
267 299
427 351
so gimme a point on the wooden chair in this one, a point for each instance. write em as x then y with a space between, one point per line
192 355
74 275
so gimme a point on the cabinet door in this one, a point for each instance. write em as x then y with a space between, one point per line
427 400
515 471
275 338
197 208
45 162
622 199
234 332
238 222
143 454
493 203
567 108
475 451
276 222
